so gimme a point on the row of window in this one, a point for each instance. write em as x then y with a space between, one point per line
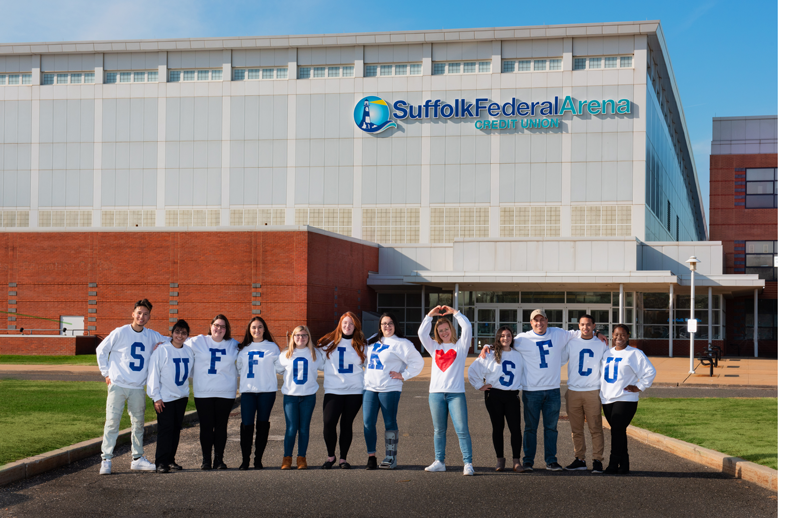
176 76
15 79
471 67
130 77
66 79
531 65
412 69
595 63
761 258
253 74
761 188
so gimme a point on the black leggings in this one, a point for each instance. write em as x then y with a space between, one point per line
619 415
169 424
503 405
334 407
213 418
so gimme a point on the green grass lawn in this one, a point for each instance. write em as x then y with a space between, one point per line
746 428
40 416
83 359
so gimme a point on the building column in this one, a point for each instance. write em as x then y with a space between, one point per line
709 317
422 302
670 320
455 297
756 323
621 304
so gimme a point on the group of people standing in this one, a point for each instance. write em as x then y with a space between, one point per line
361 375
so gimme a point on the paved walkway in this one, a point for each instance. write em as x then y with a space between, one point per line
734 372
662 484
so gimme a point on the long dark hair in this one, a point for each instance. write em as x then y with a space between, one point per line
228 333
330 341
497 347
248 339
395 321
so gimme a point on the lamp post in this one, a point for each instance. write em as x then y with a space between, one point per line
692 262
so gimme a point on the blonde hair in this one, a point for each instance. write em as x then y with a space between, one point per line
291 342
444 320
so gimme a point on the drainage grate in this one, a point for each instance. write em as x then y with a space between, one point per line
731 375
732 366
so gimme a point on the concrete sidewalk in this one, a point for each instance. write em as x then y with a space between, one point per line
736 372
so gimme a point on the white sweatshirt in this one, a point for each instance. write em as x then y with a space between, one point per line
215 372
344 370
447 367
124 355
585 364
169 370
543 355
300 371
256 367
622 368
507 374
391 354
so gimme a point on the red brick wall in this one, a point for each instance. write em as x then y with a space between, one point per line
48 345
298 273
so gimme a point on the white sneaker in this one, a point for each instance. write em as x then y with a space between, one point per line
104 468
142 464
468 470
436 466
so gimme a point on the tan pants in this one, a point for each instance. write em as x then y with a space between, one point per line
581 406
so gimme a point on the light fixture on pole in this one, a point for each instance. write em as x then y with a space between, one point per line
691 324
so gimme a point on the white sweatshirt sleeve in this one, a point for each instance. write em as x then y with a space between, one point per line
424 333
413 359
103 352
321 359
153 379
476 374
644 370
466 330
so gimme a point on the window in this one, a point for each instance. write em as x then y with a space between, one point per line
139 77
525 66
76 78
188 75
239 75
761 259
595 63
348 71
555 64
26 79
391 225
62 79
254 73
407 307
761 188
439 68
203 75
626 61
152 77
401 70
611 62
385 70
579 63
333 71
125 77
595 220
47 79
450 223
217 75
484 67
470 68
415 69
508 66
540 64
529 221
454 68
303 73
110 77
89 77
334 220
371 71
281 73
175 76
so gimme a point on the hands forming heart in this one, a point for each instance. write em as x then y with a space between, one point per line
439 311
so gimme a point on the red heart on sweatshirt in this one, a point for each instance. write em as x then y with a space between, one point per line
445 360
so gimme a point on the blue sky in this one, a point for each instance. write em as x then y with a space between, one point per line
724 52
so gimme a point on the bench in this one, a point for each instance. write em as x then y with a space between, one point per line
711 355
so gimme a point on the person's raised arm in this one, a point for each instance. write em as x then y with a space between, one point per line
424 332
466 327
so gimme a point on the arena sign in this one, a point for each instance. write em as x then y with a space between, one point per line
372 114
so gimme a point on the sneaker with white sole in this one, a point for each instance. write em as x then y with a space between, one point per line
468 469
104 468
142 464
436 466
577 465
554 466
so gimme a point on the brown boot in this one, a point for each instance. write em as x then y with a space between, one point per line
301 461
517 466
500 464
287 463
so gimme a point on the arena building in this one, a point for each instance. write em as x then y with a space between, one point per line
297 177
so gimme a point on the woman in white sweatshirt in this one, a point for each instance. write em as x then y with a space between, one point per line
343 384
214 387
447 389
170 366
257 371
499 375
298 364
627 372
391 360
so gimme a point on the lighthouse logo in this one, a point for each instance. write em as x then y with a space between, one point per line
371 115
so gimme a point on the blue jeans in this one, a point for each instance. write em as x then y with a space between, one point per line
387 402
297 414
535 403
259 403
456 404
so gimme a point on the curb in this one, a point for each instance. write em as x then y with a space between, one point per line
38 464
734 466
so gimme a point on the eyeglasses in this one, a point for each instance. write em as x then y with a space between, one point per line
301 336
387 324
219 326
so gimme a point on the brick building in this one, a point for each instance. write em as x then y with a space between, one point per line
743 215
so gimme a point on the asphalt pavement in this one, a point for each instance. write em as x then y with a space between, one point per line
661 484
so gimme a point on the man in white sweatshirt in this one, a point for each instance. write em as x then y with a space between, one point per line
586 354
123 358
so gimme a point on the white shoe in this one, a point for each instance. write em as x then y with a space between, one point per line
436 466
104 468
468 470
142 464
